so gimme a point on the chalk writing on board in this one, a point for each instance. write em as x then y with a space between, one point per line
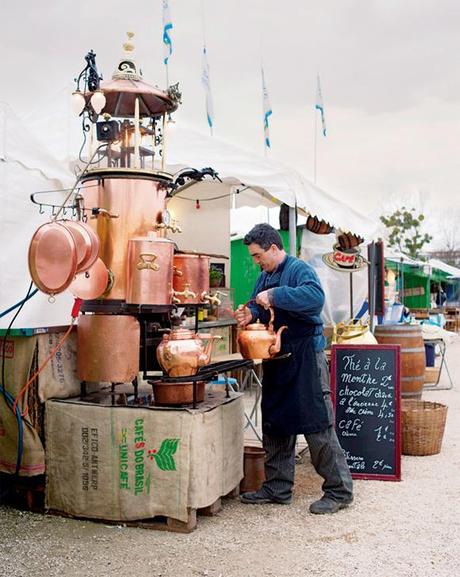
366 383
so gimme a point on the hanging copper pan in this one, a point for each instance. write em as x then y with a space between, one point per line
87 243
92 283
52 258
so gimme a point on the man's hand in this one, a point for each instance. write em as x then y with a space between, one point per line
243 315
263 299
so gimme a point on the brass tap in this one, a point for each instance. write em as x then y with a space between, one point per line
162 227
186 293
212 299
97 211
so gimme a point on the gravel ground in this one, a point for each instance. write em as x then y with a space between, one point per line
411 528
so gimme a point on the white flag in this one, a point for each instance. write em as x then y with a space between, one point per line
167 27
320 106
207 88
267 111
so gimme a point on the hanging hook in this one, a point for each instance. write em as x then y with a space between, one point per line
53 210
40 209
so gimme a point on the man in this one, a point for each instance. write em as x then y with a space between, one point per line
295 393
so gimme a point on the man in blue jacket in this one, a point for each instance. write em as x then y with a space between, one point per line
295 393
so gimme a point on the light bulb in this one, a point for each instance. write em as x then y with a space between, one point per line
78 102
98 101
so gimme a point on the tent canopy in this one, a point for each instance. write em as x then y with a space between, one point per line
274 182
452 272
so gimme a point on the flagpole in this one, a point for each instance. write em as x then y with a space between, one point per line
205 74
167 43
319 106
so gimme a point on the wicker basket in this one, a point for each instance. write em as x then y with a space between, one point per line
432 374
423 425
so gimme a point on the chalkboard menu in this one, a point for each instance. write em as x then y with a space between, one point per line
366 393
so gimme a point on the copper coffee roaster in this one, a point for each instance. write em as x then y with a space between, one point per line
114 252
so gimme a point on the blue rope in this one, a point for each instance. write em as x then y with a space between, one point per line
19 303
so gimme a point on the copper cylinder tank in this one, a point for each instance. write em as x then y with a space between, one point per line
191 277
124 206
108 348
149 271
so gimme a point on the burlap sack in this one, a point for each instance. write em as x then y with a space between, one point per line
59 378
127 463
18 360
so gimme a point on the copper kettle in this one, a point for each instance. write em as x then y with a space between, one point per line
182 352
256 341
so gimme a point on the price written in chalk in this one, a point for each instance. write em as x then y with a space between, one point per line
366 387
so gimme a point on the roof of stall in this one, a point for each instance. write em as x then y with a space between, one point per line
452 272
269 182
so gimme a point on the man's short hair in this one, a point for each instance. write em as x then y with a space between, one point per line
264 235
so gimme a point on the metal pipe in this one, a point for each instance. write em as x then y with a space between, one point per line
351 296
371 296
292 231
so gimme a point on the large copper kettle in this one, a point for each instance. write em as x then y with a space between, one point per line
257 341
182 352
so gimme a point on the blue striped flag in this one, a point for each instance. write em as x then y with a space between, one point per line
320 106
267 111
167 27
207 88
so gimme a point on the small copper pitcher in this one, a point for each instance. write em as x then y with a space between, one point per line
257 341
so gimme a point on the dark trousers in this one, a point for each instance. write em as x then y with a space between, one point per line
327 456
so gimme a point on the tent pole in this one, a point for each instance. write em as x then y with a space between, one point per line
351 295
371 281
292 231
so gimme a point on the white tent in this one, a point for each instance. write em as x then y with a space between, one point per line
270 182
28 168
275 182
396 256
452 271
25 168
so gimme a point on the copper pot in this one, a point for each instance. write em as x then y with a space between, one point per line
182 352
108 348
128 207
177 393
191 278
149 271
256 341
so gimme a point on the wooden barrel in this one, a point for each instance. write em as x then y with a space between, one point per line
412 355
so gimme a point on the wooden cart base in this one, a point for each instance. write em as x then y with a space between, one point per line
161 523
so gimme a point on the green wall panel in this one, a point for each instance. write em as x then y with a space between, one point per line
243 270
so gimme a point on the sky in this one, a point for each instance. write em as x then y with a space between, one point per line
388 69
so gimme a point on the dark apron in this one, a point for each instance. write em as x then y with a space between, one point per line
292 399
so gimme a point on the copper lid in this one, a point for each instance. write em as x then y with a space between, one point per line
257 326
121 93
127 84
181 334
